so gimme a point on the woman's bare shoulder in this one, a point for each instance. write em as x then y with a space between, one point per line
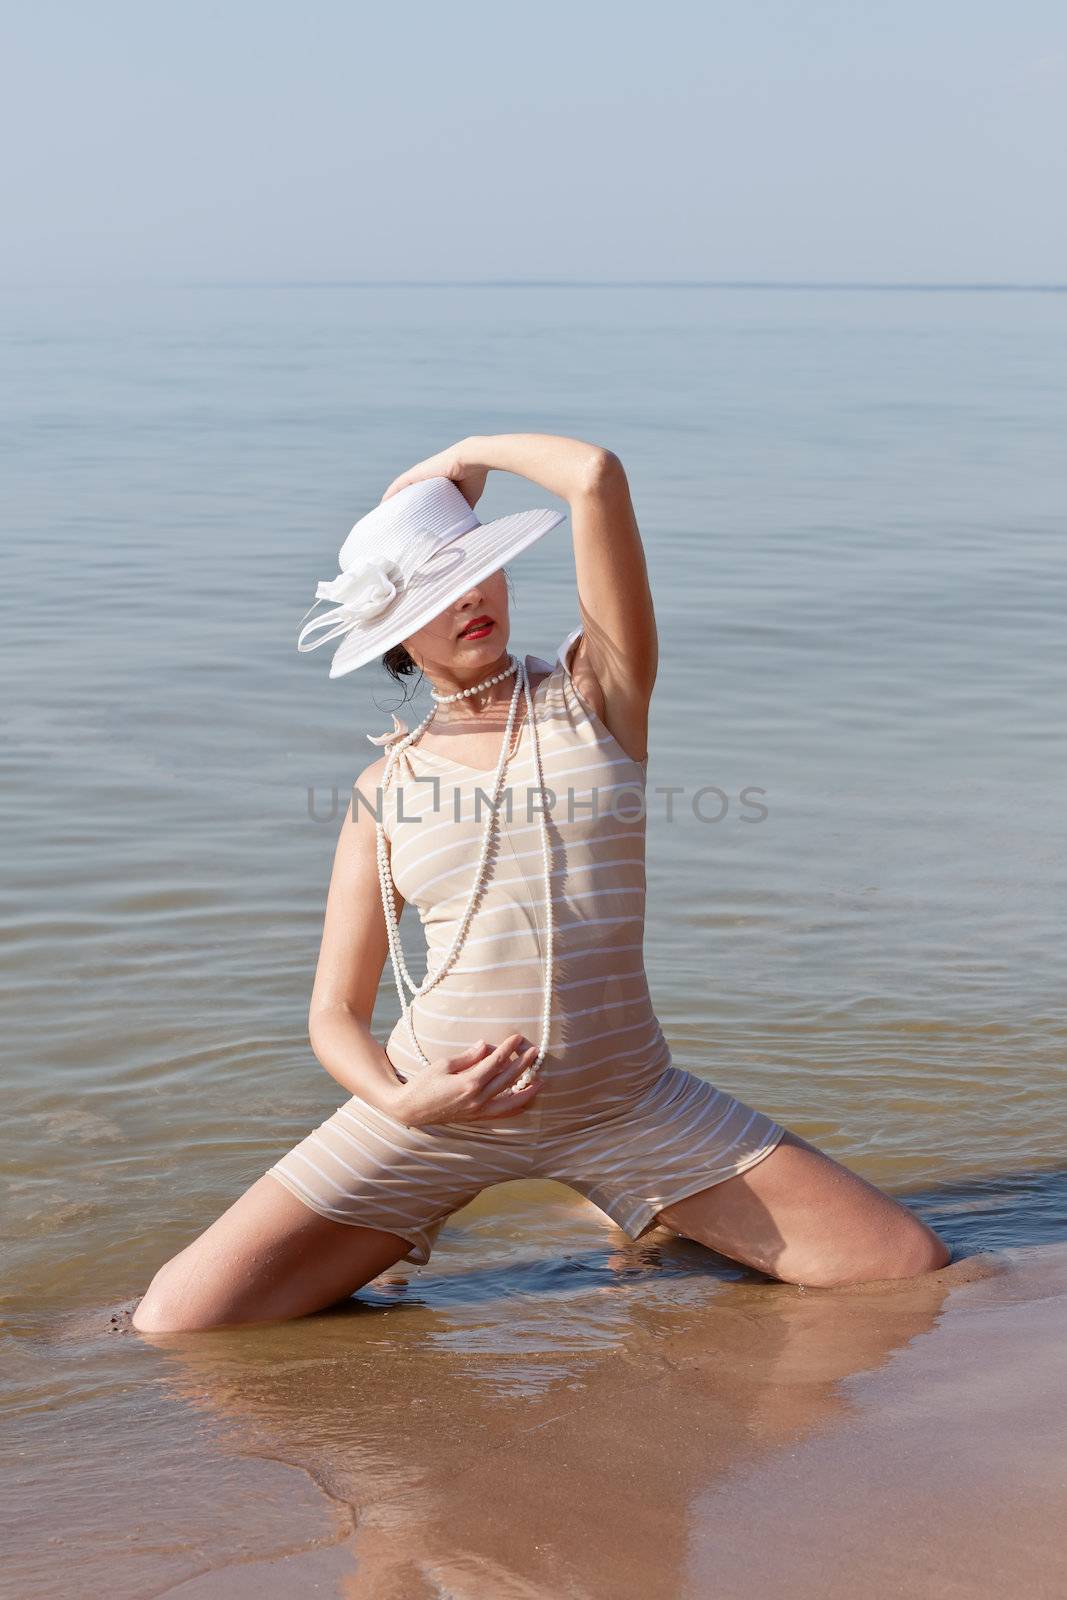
373 774
365 804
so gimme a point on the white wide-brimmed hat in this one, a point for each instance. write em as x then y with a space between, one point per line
405 561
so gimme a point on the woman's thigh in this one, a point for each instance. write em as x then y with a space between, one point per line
801 1216
268 1258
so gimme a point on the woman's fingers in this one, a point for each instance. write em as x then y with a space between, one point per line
487 1075
510 1105
498 1069
488 1060
501 1085
468 476
464 1059
485 1069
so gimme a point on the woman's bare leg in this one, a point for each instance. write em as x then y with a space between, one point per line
800 1216
268 1258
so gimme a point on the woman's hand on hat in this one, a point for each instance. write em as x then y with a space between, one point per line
473 1086
455 463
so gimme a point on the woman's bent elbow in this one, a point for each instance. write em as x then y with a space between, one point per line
602 469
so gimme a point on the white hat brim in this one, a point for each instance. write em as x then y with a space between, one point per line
465 561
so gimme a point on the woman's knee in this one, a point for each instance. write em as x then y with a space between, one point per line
204 1288
190 1293
170 1304
916 1251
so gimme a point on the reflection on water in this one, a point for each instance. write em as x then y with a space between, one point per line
527 1429
853 512
527 1416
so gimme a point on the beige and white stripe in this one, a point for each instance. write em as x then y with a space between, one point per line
616 1119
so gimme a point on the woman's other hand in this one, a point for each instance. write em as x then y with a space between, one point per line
473 1086
454 463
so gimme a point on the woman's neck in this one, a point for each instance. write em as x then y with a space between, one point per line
472 707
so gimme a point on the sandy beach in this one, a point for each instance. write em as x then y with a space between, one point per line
889 1439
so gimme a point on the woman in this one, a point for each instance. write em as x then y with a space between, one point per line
544 1056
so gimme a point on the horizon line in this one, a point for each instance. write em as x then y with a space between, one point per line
771 285
899 285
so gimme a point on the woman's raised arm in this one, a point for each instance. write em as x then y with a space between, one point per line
615 662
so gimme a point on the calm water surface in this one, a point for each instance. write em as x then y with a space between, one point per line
853 507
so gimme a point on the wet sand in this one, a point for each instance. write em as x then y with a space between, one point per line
900 1438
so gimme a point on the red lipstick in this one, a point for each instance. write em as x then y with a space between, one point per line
477 629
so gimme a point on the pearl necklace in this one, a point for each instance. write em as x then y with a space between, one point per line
461 694
399 965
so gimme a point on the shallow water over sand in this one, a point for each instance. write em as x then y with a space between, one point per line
853 508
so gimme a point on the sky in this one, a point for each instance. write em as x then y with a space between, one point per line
918 140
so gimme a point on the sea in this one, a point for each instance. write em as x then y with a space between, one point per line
854 508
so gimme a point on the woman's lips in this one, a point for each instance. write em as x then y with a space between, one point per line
477 630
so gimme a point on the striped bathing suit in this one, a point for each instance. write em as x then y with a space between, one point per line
614 1118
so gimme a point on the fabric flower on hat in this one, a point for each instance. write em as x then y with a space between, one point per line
365 591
